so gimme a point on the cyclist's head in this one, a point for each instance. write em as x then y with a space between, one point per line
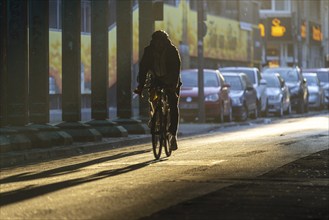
160 35
159 39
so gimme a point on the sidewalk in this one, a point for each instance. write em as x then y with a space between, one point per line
298 190
31 155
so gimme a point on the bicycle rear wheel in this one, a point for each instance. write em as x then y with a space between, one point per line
157 134
166 135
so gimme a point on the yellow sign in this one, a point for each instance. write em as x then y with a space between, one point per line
316 33
262 29
277 30
303 30
224 39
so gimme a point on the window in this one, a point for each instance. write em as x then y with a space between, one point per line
213 7
55 11
85 16
232 5
193 5
279 5
112 12
172 2
275 5
266 5
315 8
55 15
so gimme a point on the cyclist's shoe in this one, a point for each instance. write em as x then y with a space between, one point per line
173 142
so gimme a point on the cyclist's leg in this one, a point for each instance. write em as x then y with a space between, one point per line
152 103
174 116
174 112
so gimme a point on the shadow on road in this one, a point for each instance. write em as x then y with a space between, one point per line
29 192
67 169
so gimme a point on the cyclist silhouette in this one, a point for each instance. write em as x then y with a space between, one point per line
162 60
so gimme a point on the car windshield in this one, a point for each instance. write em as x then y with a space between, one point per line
272 81
288 75
323 76
190 79
249 73
311 80
234 82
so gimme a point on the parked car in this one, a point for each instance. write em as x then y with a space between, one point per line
297 86
323 75
278 94
243 95
316 94
217 101
258 83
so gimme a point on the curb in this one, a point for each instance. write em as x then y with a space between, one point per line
35 155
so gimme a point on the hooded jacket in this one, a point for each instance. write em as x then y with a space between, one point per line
171 62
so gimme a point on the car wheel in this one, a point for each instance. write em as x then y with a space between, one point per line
265 112
255 113
221 114
229 117
300 107
288 111
306 106
321 103
244 114
280 112
259 107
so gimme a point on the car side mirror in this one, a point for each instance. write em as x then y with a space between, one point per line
225 86
263 82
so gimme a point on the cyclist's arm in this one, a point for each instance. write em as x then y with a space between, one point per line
174 67
144 67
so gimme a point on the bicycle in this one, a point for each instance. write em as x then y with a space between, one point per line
160 120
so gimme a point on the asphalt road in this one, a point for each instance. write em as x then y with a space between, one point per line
126 183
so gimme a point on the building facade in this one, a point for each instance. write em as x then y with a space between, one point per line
295 32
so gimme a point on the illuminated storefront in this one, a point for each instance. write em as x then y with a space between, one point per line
296 34
278 35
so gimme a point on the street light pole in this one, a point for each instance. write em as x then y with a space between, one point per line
299 37
201 116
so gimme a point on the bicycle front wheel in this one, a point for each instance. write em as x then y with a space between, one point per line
157 134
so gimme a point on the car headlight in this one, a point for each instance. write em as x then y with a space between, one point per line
236 100
212 98
277 97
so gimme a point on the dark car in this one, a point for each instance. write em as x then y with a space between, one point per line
297 86
259 84
323 75
243 95
217 101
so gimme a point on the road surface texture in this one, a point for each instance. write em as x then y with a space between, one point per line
270 171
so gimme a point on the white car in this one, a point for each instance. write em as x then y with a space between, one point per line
278 95
316 93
